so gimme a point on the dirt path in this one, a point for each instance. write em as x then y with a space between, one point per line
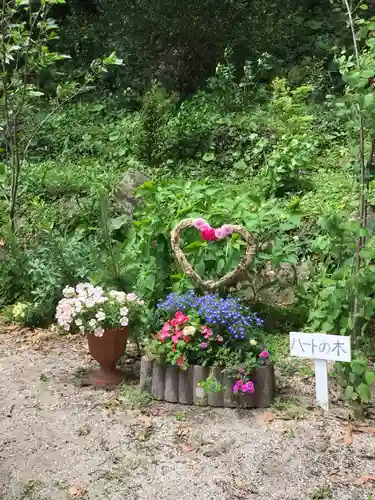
60 441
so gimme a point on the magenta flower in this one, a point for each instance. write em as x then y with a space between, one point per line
220 339
204 345
264 355
248 388
237 386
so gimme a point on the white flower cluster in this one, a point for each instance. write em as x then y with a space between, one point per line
85 307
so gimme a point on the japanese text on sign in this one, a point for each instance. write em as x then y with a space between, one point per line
320 346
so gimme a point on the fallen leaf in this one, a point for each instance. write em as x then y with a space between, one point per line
348 435
268 417
367 430
241 484
186 448
364 479
147 421
77 491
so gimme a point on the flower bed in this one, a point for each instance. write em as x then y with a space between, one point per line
202 386
208 350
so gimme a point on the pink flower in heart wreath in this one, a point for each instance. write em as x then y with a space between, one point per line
210 234
199 223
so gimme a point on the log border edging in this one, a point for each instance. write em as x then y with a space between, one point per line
169 383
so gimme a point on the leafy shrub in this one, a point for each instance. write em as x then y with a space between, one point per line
165 204
38 274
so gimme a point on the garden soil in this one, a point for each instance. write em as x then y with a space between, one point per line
59 440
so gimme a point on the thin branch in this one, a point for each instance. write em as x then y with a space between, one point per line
59 106
26 58
362 180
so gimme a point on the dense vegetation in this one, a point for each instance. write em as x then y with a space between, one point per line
240 111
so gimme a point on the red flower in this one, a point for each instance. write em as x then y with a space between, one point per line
179 319
186 338
181 360
208 234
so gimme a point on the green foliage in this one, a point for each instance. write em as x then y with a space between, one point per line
39 273
181 44
357 378
165 204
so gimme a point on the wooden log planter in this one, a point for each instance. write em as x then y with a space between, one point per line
170 383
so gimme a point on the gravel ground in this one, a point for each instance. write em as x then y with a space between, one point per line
59 440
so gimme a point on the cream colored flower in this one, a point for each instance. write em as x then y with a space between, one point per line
189 330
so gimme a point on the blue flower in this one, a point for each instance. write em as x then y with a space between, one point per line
228 313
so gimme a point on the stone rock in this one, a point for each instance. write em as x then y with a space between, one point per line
220 448
276 286
123 200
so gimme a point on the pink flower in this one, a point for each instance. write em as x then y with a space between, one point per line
264 355
208 234
176 337
198 223
179 319
207 332
219 233
248 388
205 227
227 229
181 360
220 339
166 328
204 345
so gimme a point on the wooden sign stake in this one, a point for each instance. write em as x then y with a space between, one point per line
321 348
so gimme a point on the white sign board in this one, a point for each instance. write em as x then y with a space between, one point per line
321 348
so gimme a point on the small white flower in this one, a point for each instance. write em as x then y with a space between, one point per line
253 342
89 303
69 292
101 300
131 297
78 322
141 302
92 322
124 311
121 297
100 316
124 321
77 306
99 332
81 329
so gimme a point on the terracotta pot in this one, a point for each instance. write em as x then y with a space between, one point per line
107 351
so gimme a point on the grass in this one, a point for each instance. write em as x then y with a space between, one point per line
278 345
322 493
134 397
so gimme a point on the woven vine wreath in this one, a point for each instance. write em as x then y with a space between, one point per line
187 267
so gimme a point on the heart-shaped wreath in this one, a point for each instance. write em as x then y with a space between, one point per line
210 234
